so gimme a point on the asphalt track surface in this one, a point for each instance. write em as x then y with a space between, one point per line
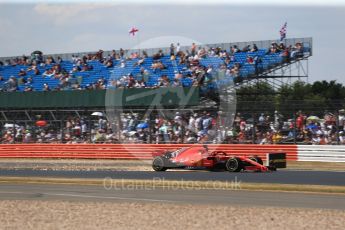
281 177
164 195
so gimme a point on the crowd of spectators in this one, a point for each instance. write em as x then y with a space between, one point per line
197 73
200 127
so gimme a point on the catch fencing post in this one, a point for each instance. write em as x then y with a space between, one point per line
294 126
253 130
14 132
62 127
89 128
337 127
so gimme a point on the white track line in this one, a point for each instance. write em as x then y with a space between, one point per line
90 196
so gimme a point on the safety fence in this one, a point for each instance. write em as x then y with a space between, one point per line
130 151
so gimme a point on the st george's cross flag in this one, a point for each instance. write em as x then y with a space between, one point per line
132 31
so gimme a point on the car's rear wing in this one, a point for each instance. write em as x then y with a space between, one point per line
276 160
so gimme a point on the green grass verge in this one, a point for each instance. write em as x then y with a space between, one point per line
326 166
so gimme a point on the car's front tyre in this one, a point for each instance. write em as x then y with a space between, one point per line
233 165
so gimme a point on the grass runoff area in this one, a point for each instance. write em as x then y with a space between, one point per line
319 166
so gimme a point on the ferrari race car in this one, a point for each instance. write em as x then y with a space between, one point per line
199 157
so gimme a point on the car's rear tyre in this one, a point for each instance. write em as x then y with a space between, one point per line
257 160
158 164
233 165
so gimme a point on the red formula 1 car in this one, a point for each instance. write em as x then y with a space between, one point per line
201 158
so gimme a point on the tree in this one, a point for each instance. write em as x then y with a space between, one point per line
256 97
315 98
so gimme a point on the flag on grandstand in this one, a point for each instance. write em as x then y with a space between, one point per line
283 32
132 31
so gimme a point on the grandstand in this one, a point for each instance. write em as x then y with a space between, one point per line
270 64
73 86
